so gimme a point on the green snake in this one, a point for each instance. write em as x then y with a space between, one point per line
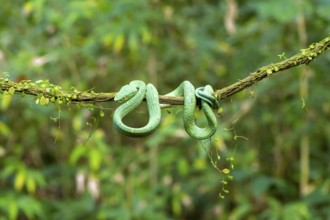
133 94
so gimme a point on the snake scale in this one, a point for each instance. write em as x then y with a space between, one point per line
132 95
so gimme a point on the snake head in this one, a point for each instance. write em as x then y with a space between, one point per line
125 93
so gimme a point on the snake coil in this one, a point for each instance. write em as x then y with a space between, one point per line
133 94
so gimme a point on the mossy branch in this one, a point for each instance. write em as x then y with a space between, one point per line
304 57
48 92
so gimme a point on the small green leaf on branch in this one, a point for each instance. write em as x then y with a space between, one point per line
43 100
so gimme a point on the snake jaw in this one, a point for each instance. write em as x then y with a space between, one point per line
125 93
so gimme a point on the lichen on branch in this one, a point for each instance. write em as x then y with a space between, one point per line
47 92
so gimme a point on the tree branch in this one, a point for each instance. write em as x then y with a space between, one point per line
304 57
47 92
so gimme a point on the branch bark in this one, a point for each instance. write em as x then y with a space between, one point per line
55 93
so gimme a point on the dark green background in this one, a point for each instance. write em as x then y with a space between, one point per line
279 150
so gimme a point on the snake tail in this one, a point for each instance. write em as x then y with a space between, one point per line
187 90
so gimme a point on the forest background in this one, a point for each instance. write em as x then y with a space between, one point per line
269 158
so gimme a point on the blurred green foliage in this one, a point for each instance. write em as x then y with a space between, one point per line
67 162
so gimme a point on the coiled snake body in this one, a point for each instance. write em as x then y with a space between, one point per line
133 94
